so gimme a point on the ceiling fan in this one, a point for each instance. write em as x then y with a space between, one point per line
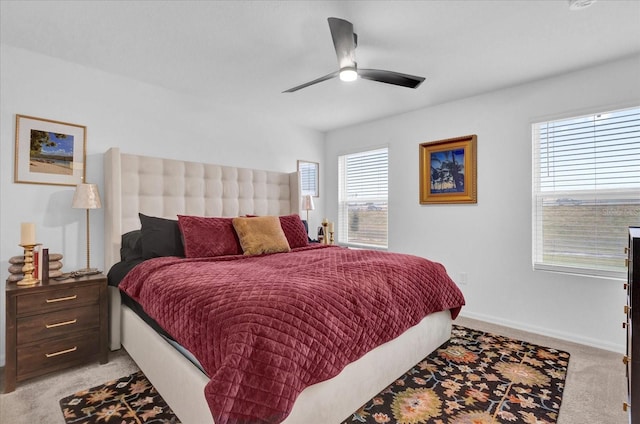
345 42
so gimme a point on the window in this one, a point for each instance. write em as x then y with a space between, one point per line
362 198
586 190
308 172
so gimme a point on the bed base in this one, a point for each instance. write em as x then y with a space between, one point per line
182 384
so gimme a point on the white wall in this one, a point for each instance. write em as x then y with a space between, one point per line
137 117
491 241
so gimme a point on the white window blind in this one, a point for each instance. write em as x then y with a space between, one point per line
362 197
586 189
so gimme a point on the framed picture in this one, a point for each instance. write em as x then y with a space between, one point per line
309 173
448 171
49 152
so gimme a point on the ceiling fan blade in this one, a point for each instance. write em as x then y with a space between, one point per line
390 77
315 81
344 41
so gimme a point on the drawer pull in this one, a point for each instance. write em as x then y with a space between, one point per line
62 352
624 325
62 299
60 324
626 359
626 309
625 406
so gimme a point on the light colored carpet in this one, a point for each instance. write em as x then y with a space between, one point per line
594 392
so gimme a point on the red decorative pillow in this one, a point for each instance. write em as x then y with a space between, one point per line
294 230
208 236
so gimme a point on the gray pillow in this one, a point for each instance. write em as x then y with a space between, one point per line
160 237
131 246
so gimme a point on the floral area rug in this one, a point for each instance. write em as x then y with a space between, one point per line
128 400
474 378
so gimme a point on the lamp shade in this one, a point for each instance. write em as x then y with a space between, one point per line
86 196
307 203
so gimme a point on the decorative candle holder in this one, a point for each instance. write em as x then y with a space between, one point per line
28 268
325 223
330 237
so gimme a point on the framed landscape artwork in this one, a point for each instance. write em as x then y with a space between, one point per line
448 171
49 152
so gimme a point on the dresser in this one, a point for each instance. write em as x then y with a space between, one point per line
632 311
55 326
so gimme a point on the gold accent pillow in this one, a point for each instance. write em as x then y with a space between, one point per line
261 234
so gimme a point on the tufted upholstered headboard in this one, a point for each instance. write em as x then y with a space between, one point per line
167 187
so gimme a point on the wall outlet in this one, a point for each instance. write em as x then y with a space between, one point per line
462 278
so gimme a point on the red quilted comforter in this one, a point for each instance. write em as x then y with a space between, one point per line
265 327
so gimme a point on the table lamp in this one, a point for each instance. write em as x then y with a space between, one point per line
87 197
307 204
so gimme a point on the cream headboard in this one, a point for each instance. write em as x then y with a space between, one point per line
167 187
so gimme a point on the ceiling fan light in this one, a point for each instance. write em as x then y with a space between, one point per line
348 74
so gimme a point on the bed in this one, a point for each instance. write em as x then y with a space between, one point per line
168 188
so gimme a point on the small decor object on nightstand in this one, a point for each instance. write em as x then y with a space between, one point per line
16 263
325 231
28 268
331 232
28 242
44 266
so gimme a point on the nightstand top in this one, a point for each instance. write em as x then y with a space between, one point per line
53 283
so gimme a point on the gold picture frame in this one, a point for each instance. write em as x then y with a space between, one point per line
49 152
448 171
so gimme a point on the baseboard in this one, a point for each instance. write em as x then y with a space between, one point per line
613 347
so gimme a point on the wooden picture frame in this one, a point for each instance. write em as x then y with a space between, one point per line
49 152
448 172
309 173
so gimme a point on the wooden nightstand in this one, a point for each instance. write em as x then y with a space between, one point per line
55 326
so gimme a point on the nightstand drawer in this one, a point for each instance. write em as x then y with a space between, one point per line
57 299
39 358
57 324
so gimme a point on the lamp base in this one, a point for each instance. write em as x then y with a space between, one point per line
85 271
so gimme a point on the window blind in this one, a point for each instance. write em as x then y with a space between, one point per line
362 198
586 189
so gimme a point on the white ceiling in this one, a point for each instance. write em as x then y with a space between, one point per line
243 54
